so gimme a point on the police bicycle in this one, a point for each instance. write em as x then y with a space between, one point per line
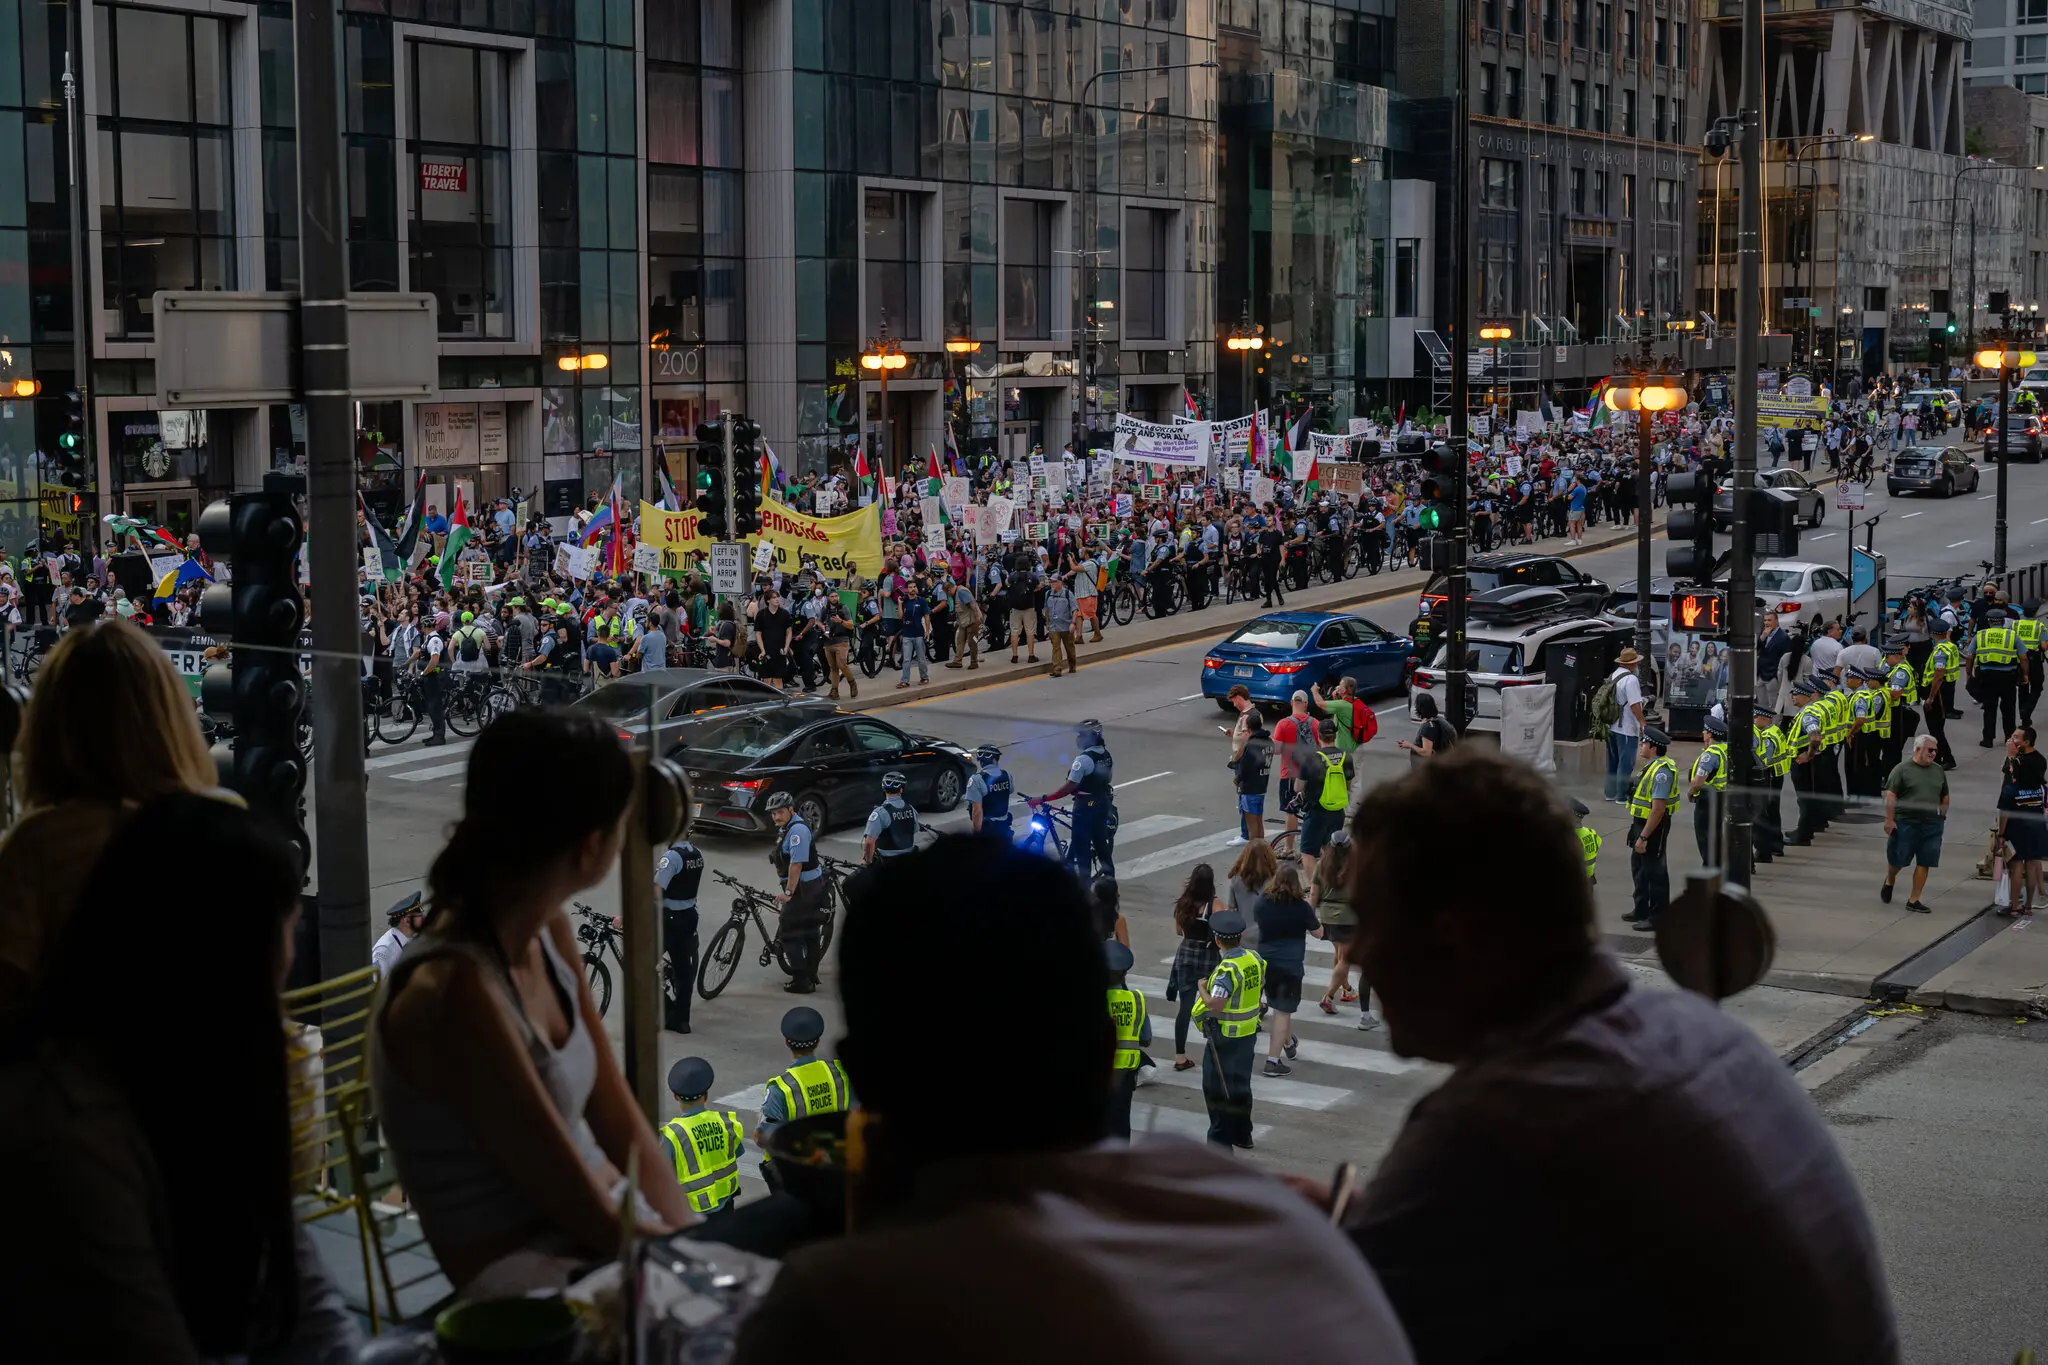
599 935
722 955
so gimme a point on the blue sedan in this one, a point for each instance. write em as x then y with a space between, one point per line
1287 651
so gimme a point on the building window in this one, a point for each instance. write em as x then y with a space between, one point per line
2030 11
1499 279
695 263
1028 302
1549 19
1628 112
1511 91
1664 286
459 165
2029 49
1658 107
1578 191
1660 42
167 204
1145 274
1578 104
1667 201
1549 98
2034 84
1373 300
1407 258
1603 26
1678 118
893 248
1489 13
1500 183
1487 81
1515 17
1599 194
1680 55
1628 34
1579 33
1599 108
1547 187
1628 197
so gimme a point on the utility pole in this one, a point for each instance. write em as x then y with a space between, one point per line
1461 457
1737 842
81 303
341 815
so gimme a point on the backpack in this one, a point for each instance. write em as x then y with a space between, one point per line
467 649
1606 705
1364 724
1336 792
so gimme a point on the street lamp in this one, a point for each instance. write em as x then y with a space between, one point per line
2005 358
1246 343
594 360
960 348
881 358
1956 186
1648 393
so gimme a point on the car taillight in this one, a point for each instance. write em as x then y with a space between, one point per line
752 786
1425 682
1284 669
1784 607
1212 662
626 735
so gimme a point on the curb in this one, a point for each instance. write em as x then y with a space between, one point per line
1965 1002
1107 651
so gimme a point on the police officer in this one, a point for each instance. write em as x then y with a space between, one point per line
676 876
1827 766
1589 840
1133 1024
1091 783
1767 832
405 919
1650 809
704 1143
1227 1012
1808 736
988 794
2028 627
892 826
1709 776
1995 666
434 679
1944 661
809 1085
1873 730
1902 695
803 894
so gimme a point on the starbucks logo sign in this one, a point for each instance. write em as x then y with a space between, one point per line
156 461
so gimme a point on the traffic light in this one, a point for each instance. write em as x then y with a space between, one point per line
711 462
1701 611
70 458
1690 527
746 477
261 688
1774 522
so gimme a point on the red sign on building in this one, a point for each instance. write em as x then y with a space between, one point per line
452 176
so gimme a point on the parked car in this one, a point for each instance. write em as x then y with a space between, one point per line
1813 503
1508 651
1941 470
1944 400
1514 568
1283 652
831 761
1799 589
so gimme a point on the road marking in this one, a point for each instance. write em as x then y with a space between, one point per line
1910 515
415 755
1158 1118
1154 824
1192 696
1354 1058
429 774
1147 778
1828 536
1175 855
1265 1089
2038 520
1986 497
1957 544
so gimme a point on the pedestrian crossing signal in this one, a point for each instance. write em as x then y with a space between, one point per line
1699 612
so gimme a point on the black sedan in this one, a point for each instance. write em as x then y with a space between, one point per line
1813 503
680 701
830 761
1941 470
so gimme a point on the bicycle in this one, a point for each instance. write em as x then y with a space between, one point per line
1339 557
599 935
722 954
475 700
1123 601
1050 830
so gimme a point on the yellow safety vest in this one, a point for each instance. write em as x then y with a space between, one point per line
1589 845
1821 713
1719 781
1242 976
1902 681
1127 1012
1639 803
1997 647
707 1147
1770 749
1880 717
1841 715
1945 657
813 1087
2029 631
1792 740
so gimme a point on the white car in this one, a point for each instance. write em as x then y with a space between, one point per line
1801 589
1948 401
1503 656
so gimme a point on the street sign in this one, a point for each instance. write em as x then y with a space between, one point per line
1699 611
1792 305
1849 496
728 568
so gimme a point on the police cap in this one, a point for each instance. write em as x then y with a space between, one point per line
403 908
1653 736
690 1078
1117 956
1716 726
1937 626
988 753
1802 687
1580 808
803 1025
1994 617
1229 924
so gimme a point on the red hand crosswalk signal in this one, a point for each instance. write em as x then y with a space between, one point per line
1698 612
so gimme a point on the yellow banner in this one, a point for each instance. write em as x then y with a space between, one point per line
844 546
1784 410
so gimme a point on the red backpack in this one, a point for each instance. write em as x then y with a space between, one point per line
1364 724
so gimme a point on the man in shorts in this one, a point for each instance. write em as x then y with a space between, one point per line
1295 730
1915 815
1087 598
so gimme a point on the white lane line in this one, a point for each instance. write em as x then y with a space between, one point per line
1192 696
415 755
1910 515
1354 1058
1154 824
1146 778
1828 535
429 774
1174 855
2038 520
1265 1089
1158 1118
1957 544
1986 497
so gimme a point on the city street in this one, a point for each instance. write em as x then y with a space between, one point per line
1348 1093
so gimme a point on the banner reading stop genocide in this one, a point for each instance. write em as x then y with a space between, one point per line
844 546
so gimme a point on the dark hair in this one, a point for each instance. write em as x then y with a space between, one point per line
903 931
497 841
1195 898
1407 831
1425 707
206 1078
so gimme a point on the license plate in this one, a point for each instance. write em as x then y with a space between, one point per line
1240 672
697 810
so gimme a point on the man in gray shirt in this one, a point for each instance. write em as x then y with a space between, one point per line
1059 624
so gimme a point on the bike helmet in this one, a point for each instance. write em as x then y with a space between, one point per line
1089 731
988 753
894 782
781 801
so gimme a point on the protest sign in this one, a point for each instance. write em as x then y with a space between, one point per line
1261 490
1157 443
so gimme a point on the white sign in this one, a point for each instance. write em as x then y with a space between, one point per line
1123 504
373 563
1231 439
1481 424
764 556
1056 478
1362 426
1000 511
728 568
490 430
1262 490
1227 476
1186 492
448 434
1037 465
929 508
1157 443
646 559
1849 496
1034 530
827 501
934 538
954 492
573 561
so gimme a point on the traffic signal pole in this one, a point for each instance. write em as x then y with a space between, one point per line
341 807
1455 681
1737 841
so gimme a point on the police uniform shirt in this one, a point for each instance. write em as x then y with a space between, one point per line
1866 706
435 644
977 793
384 954
1082 768
796 844
677 874
668 1139
1811 724
1708 764
884 816
1663 783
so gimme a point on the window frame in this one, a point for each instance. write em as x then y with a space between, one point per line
1060 327
930 270
1171 271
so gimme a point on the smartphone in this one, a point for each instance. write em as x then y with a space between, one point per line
1343 1185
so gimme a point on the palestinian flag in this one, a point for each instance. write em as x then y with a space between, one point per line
458 536
1310 487
392 562
933 479
415 517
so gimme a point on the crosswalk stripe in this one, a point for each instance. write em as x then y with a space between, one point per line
1355 1058
1159 1118
1174 855
429 774
414 755
1346 1018
1155 824
1265 1089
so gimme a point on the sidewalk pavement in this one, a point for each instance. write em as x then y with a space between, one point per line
1213 622
1834 935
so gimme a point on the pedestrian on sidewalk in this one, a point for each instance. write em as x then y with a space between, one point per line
1059 623
1087 584
2020 815
1285 920
967 623
1625 732
1915 815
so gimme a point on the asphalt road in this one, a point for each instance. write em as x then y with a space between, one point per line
1349 1093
